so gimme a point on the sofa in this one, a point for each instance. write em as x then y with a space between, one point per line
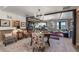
14 36
58 34
8 39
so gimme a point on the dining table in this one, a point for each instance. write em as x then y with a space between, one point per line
47 34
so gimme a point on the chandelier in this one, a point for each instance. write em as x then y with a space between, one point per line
39 15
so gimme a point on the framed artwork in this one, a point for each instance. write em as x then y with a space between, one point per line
23 24
4 23
15 23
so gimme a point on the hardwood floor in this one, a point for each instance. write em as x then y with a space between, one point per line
61 45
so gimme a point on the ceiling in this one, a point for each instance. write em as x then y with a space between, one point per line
31 10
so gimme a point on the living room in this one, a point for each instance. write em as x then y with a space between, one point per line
38 29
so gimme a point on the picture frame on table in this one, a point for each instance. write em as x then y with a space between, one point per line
23 24
4 23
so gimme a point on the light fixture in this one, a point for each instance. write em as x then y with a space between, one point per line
39 15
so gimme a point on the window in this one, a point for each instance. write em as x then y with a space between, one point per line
57 25
61 25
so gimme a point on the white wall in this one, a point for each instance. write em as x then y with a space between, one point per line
52 25
3 15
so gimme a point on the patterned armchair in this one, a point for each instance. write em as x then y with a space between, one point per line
18 34
38 43
25 33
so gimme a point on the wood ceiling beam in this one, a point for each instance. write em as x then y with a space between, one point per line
55 12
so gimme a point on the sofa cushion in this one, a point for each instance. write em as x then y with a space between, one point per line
8 34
